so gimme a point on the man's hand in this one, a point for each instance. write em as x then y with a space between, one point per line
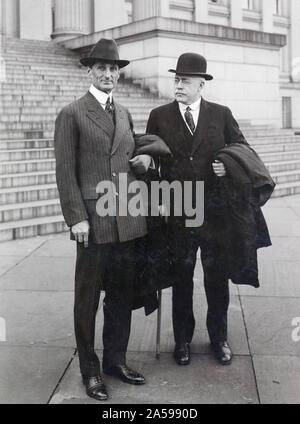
141 163
219 168
81 232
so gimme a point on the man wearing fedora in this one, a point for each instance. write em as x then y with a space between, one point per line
94 142
194 130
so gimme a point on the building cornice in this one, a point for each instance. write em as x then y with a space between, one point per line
178 28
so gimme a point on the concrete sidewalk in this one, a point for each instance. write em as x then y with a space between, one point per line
38 362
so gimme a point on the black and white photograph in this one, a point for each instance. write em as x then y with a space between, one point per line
149 205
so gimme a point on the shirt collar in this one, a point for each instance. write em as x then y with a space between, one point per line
100 96
194 106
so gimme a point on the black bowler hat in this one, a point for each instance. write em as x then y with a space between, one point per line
192 64
104 51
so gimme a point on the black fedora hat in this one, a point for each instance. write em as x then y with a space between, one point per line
192 64
104 51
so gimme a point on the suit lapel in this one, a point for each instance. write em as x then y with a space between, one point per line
202 126
120 126
179 129
97 114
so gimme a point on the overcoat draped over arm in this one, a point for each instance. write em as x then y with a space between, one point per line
247 186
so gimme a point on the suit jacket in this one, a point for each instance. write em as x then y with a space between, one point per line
88 150
193 155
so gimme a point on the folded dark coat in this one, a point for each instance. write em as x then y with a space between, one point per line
247 186
153 266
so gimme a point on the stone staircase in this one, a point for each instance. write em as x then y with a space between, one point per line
38 79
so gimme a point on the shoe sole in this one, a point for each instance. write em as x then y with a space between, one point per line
134 383
96 398
224 363
182 363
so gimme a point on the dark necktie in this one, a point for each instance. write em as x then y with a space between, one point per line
189 119
109 108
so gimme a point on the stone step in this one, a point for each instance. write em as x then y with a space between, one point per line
47 82
26 135
19 111
14 43
32 227
60 92
32 118
41 104
273 148
65 87
26 126
42 68
35 123
283 166
23 166
127 99
35 53
42 143
265 134
287 189
280 156
47 59
29 210
286 176
272 140
27 179
28 194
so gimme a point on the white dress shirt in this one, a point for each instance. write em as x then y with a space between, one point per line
195 110
100 96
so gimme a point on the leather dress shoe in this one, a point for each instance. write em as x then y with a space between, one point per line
124 373
182 354
222 352
95 388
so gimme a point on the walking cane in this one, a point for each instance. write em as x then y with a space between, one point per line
158 328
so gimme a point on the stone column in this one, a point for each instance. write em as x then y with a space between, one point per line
10 18
201 11
236 13
143 9
109 14
267 15
42 11
1 19
72 18
294 39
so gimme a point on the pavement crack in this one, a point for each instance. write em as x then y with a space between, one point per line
249 348
62 376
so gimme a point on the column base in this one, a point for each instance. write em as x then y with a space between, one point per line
59 36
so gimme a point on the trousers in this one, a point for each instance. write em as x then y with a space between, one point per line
185 244
108 267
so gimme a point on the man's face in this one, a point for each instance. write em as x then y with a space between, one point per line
188 89
104 76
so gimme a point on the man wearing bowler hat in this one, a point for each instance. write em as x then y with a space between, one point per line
94 142
194 130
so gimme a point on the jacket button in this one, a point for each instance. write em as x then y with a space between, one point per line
191 158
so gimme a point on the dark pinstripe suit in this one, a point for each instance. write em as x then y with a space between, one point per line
89 149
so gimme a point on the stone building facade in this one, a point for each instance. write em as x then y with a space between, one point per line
252 46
